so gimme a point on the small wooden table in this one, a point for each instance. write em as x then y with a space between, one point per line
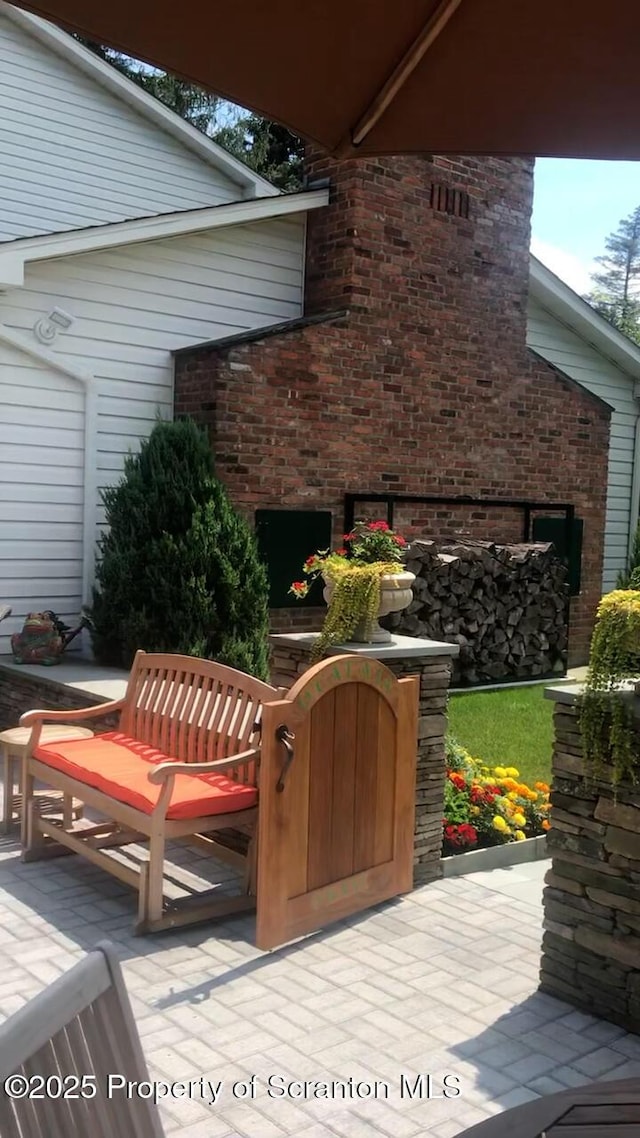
13 747
599 1110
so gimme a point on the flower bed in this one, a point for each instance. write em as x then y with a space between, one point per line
488 806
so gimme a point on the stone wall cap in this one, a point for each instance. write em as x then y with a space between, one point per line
568 693
399 646
73 671
564 693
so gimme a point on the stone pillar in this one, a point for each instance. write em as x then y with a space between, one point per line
405 656
591 943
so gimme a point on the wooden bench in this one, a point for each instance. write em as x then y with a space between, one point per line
67 1044
183 762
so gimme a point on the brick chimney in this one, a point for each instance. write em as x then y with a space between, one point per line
426 245
425 386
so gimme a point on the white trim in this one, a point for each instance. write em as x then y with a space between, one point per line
123 88
86 380
14 255
572 310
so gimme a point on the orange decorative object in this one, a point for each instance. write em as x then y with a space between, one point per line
119 766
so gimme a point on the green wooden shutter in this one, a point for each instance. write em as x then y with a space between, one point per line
555 530
285 539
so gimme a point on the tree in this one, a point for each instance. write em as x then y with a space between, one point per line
192 103
616 295
178 569
266 147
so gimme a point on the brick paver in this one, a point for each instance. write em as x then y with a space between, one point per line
441 983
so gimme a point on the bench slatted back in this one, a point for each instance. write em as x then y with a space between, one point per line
194 710
81 1025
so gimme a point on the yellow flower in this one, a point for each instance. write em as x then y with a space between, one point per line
512 796
499 824
475 810
512 772
519 836
519 820
500 772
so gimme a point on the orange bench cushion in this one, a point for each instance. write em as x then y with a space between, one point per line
118 766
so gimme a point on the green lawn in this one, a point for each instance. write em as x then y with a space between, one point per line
510 727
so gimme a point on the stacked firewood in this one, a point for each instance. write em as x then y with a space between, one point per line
505 605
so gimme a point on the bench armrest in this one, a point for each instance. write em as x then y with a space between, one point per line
75 716
163 771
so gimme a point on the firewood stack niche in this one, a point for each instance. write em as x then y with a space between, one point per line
505 606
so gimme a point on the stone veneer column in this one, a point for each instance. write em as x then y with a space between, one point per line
405 656
591 943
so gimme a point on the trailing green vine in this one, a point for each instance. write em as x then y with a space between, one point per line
372 551
355 601
605 716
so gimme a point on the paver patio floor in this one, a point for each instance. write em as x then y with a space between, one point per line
442 982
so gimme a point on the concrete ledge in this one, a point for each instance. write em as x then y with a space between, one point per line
495 857
400 646
83 675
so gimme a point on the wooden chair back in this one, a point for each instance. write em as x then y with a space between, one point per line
194 710
73 1036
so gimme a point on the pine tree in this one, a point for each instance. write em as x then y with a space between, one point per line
178 569
616 295
266 147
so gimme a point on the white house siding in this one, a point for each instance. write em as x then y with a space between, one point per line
41 489
73 155
131 308
586 364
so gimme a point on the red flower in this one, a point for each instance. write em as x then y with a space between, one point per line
399 540
457 780
310 560
341 552
460 836
469 833
347 537
378 526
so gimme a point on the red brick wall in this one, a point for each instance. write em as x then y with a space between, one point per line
426 385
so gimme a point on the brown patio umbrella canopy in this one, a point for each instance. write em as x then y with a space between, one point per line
372 77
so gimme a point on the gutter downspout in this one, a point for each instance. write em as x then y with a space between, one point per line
634 513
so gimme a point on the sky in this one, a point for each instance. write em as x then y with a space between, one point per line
577 204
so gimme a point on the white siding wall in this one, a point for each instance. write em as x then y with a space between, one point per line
584 363
41 490
131 308
72 154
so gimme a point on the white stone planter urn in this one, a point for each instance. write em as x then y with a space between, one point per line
395 595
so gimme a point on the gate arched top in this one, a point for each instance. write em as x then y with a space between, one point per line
322 678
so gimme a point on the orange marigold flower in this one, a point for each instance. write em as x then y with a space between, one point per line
546 824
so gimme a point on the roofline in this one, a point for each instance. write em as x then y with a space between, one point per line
572 310
122 87
15 255
282 328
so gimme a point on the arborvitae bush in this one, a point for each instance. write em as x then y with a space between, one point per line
178 569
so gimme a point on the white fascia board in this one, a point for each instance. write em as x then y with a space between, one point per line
251 184
556 296
14 255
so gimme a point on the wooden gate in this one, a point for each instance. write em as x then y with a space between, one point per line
337 797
